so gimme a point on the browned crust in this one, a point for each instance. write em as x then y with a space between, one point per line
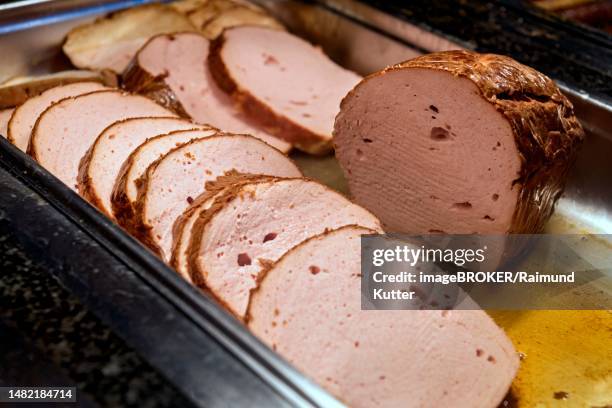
137 79
197 273
124 210
266 271
85 182
15 95
274 123
142 230
546 131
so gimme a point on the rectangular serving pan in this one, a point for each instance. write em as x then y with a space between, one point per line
358 37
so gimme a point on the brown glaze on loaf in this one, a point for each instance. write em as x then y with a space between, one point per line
547 133
137 79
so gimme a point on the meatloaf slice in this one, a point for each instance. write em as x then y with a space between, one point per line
181 231
5 117
187 87
64 131
238 16
110 42
25 116
125 190
17 90
102 163
171 183
307 307
457 142
254 224
286 84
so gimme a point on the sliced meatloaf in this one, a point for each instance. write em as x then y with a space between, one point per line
23 120
65 130
254 224
5 116
457 142
110 42
17 90
170 184
286 84
181 231
125 190
187 87
307 307
209 10
238 16
102 163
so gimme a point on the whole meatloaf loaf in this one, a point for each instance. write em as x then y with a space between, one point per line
457 142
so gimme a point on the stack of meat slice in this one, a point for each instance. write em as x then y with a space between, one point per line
134 169
187 87
170 184
66 130
102 164
251 225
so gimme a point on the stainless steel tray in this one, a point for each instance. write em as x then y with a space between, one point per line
365 39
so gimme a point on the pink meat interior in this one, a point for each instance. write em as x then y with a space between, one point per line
308 309
182 57
265 221
181 176
307 85
67 129
426 153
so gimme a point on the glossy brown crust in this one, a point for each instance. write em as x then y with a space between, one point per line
266 270
11 96
138 80
127 213
85 183
546 131
275 124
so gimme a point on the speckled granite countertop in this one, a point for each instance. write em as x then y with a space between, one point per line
47 338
